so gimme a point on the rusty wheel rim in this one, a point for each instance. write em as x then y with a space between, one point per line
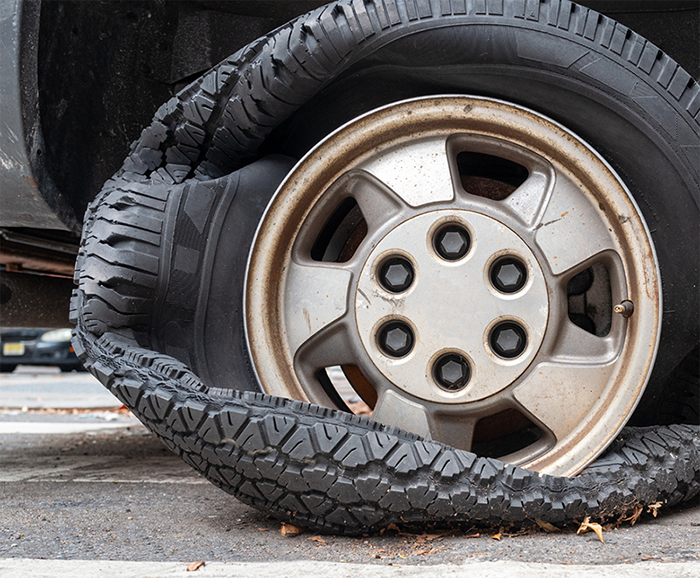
482 274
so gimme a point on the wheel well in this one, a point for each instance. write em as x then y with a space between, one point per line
104 68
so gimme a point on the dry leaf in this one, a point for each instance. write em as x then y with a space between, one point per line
317 539
195 566
634 516
475 535
496 536
393 527
291 530
546 526
588 525
524 532
654 508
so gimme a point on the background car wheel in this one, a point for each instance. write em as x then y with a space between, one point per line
7 368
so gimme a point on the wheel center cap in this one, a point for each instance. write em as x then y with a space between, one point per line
466 323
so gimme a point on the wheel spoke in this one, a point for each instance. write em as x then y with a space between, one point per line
562 396
394 409
455 429
529 199
330 346
378 203
571 229
417 171
315 295
574 345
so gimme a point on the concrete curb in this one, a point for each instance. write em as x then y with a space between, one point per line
27 568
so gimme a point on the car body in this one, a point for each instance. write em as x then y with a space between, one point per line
61 137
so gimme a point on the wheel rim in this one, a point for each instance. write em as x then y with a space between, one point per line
481 274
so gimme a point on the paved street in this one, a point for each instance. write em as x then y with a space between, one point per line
106 489
46 387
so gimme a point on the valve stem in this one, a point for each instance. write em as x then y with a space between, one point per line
626 308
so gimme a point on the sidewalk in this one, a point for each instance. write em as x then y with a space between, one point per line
110 569
46 387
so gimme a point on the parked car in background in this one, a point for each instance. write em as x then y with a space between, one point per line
36 346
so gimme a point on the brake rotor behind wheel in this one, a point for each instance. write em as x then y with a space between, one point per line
481 275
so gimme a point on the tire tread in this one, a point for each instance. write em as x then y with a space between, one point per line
327 470
348 475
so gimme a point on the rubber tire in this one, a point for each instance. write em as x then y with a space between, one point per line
8 367
284 92
151 237
681 403
336 472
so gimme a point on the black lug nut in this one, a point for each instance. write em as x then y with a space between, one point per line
452 372
396 274
508 340
395 339
452 242
508 274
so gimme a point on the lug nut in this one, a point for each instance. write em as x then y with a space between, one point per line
396 274
452 372
395 339
508 274
452 242
508 340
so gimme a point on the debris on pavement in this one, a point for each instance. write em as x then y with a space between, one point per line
546 526
654 508
318 539
291 530
588 525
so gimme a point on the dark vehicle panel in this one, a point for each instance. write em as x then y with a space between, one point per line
83 78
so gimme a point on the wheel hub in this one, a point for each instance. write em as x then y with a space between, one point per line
445 285
479 307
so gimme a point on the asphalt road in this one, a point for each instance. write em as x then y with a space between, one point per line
116 493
